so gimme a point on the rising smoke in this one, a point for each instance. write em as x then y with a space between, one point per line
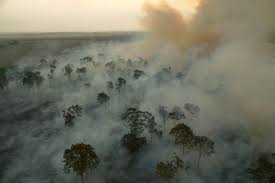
238 39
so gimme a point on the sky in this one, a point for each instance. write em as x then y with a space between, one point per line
75 15
69 15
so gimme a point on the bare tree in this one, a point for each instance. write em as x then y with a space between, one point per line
203 145
163 112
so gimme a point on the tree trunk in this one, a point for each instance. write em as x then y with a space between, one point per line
164 125
199 158
82 179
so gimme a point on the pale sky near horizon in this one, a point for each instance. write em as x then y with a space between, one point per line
71 15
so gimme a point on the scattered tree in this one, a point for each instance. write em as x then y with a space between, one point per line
32 79
138 74
102 98
110 86
80 158
52 69
163 112
81 70
87 59
71 113
132 142
3 78
110 67
68 70
263 170
171 169
203 145
43 61
120 83
193 109
183 135
138 120
177 114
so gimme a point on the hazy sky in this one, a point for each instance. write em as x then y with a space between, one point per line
69 15
75 15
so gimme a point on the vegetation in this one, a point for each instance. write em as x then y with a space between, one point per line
262 171
80 158
71 113
3 78
183 135
171 169
31 79
68 70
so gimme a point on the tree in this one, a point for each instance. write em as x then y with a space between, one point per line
52 69
171 169
103 98
177 114
263 170
138 120
81 70
132 142
120 83
192 109
110 67
68 70
71 113
163 112
43 61
87 59
32 79
134 120
203 145
110 86
3 78
79 159
138 74
183 135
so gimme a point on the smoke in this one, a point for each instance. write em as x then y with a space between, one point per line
236 54
224 51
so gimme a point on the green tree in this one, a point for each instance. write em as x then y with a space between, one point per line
183 135
79 159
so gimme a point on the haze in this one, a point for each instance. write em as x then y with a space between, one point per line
69 15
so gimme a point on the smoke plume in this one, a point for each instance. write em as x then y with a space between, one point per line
238 39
